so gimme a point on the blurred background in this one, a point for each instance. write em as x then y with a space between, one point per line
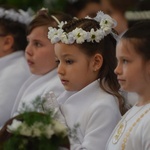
125 12
35 4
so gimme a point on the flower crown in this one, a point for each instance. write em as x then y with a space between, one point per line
21 16
79 35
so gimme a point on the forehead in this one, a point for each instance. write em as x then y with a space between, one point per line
70 49
125 47
39 32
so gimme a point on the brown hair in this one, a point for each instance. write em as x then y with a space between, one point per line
43 18
139 36
14 28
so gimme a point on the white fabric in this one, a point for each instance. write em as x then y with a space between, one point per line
13 73
139 137
37 86
95 111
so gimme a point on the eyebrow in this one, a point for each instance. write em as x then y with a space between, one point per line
65 55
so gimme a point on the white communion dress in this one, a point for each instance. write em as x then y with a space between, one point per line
37 86
133 131
14 71
95 113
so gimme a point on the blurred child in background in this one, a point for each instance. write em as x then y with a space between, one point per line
14 69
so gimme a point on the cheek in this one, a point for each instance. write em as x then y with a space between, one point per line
48 55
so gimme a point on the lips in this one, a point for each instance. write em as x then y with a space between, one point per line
121 81
30 62
64 82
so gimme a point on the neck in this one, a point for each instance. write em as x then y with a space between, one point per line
144 95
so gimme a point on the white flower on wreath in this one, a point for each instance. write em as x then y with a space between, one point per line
94 35
107 23
99 16
79 35
64 38
54 34
20 16
67 38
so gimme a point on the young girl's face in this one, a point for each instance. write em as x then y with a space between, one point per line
75 69
6 43
40 52
132 70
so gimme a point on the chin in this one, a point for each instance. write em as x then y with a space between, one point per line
69 89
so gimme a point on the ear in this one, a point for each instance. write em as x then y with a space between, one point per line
97 62
8 42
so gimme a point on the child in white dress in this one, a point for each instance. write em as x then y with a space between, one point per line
133 73
14 70
41 60
85 52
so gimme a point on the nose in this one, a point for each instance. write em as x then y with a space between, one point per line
28 50
60 69
118 69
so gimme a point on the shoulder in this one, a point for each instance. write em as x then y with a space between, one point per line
105 104
140 134
105 101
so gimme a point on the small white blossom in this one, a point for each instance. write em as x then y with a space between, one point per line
14 126
25 130
87 17
37 129
71 38
92 36
49 131
59 127
62 23
99 16
107 21
80 35
64 38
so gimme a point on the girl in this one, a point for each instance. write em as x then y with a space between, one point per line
41 60
14 69
133 72
85 52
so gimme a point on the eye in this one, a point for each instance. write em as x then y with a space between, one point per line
28 41
37 44
57 61
125 61
69 61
